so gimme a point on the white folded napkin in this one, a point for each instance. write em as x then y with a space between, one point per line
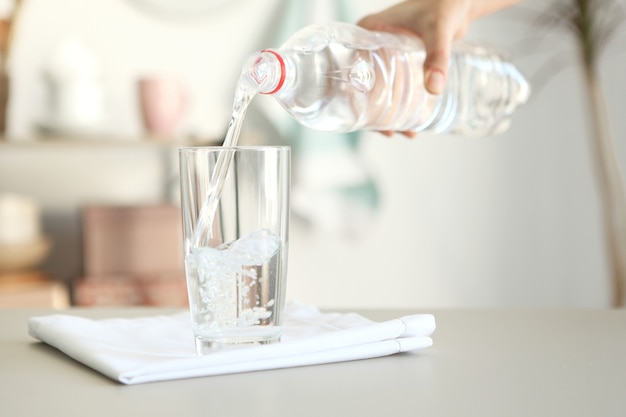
147 349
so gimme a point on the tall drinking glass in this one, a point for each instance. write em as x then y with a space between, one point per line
235 211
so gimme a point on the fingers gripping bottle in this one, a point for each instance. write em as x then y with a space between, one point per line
340 77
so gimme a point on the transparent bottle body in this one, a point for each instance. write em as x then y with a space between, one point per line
342 78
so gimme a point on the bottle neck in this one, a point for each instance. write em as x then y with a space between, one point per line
266 71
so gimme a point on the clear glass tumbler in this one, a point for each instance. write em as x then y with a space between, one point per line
235 211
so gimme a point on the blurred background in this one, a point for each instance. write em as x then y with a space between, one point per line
98 96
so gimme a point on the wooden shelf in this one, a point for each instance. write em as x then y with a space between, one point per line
105 142
32 289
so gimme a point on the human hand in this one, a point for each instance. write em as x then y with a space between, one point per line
438 23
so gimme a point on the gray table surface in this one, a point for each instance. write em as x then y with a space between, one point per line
483 363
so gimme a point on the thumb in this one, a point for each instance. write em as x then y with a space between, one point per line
438 47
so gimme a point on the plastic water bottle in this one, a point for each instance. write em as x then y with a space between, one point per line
340 77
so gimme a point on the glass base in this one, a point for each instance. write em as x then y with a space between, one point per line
207 346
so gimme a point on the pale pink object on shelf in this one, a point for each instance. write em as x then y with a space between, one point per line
163 102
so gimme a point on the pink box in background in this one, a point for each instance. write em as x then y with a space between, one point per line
133 255
124 290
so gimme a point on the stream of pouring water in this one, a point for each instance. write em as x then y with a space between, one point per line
244 93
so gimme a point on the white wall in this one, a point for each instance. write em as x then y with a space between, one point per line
510 220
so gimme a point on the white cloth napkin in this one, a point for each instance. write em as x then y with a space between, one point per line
158 348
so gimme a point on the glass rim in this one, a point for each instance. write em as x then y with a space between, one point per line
232 148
